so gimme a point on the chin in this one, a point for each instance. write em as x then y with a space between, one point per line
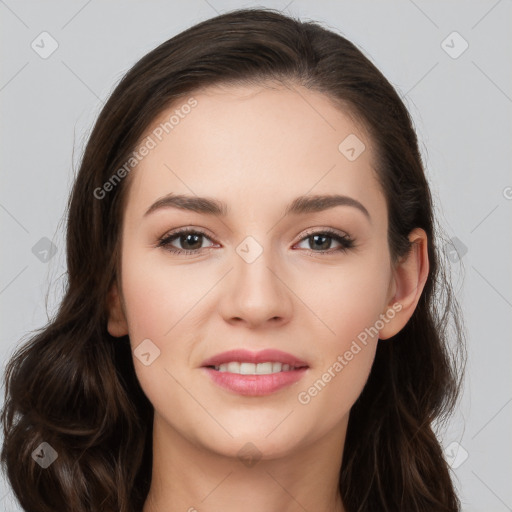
248 441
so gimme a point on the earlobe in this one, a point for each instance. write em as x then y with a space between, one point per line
410 276
117 325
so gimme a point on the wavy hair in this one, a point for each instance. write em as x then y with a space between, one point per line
74 386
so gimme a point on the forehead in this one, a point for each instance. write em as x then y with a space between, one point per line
260 143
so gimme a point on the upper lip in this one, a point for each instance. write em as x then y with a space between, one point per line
245 356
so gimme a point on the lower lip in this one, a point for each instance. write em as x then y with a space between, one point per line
255 385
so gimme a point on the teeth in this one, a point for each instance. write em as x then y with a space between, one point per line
232 367
254 369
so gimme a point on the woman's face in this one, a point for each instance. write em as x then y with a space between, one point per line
256 277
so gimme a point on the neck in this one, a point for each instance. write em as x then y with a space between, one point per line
188 477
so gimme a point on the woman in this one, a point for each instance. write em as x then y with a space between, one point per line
214 350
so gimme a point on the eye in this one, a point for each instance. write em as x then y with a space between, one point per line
191 240
322 239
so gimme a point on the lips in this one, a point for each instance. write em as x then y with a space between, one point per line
248 373
246 356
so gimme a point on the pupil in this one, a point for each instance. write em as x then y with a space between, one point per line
321 244
186 237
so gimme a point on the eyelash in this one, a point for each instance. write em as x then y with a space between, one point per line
345 241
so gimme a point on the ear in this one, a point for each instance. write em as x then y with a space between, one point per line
409 280
117 325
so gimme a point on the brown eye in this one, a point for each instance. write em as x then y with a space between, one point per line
322 240
191 241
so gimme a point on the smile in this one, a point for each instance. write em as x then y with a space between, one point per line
248 373
254 369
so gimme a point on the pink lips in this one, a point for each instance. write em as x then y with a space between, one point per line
255 385
245 356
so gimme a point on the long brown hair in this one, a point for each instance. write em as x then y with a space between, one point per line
73 386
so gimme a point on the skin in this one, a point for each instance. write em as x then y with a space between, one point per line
236 145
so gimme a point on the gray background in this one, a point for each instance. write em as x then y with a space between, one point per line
462 110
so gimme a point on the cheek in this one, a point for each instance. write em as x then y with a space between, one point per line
163 303
349 305
344 361
156 315
348 299
326 400
158 295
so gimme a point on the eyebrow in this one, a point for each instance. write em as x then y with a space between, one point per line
299 206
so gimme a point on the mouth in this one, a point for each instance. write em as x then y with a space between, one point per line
254 373
245 368
245 362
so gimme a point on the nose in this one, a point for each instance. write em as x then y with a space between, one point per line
255 290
